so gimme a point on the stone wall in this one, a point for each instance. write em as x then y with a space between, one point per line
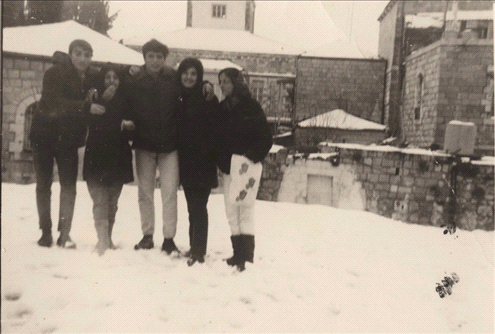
458 85
21 86
354 85
410 185
271 176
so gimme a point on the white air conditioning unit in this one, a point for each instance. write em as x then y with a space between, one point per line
460 137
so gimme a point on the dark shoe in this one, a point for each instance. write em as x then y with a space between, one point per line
46 239
189 253
168 246
237 247
65 242
145 243
195 258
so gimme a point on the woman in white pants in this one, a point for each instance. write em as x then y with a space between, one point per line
242 131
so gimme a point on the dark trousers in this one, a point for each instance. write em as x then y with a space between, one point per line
105 199
197 199
67 163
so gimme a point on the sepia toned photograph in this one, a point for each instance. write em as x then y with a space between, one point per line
247 166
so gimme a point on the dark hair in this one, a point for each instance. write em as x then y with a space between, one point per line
80 43
100 83
241 88
187 64
154 46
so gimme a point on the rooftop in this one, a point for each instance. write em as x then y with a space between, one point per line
339 119
45 39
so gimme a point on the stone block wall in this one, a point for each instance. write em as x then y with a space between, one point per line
21 86
354 85
458 85
271 176
410 185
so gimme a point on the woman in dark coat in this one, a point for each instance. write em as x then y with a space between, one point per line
197 169
108 157
243 130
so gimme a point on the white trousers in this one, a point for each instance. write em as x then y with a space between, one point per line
241 218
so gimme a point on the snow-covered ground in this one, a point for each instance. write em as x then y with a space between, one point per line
317 269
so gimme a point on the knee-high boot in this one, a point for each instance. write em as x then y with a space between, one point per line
248 247
102 228
236 245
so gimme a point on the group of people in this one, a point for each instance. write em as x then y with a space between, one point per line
172 121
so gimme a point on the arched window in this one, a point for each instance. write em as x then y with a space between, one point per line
418 100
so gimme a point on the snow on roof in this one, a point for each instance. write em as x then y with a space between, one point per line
340 48
45 39
226 40
435 19
418 22
276 148
216 65
385 148
339 119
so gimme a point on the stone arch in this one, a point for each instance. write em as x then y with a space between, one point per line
19 126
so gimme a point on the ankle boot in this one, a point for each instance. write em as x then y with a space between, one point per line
103 244
46 239
236 246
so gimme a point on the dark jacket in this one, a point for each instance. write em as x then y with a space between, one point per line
108 155
154 104
195 126
62 113
243 130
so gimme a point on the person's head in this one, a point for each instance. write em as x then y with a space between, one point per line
232 82
80 53
154 54
109 76
191 73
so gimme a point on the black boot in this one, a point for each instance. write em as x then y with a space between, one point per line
248 247
46 239
236 246
168 246
195 258
145 243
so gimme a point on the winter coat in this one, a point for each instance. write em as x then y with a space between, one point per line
243 129
62 112
154 103
195 126
108 155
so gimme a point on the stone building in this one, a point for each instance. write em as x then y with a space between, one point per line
398 38
291 84
338 126
26 55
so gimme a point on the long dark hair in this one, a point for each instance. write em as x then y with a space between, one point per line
241 89
187 64
100 82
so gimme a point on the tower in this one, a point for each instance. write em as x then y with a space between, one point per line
221 14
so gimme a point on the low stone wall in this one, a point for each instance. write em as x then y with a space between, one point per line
410 185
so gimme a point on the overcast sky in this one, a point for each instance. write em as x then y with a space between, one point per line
290 22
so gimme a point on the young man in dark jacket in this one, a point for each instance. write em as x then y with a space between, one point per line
153 95
58 130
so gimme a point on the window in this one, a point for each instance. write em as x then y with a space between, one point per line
419 97
219 11
28 118
257 90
